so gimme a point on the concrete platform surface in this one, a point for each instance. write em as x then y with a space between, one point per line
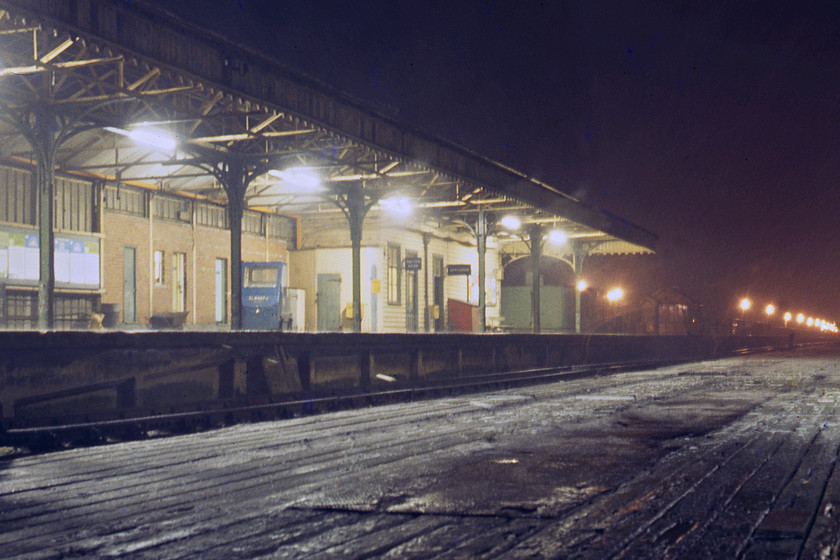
725 459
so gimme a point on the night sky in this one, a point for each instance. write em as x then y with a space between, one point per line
716 126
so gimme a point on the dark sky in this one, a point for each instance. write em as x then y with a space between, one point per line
716 125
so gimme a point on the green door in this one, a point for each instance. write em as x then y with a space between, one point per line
411 300
221 290
437 290
327 302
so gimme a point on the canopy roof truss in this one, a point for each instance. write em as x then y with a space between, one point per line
103 91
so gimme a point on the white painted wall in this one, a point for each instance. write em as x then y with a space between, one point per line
327 251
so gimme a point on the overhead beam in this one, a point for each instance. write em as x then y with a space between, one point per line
56 51
259 77
248 136
36 68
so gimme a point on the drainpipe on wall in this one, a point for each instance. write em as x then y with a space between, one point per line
426 316
151 255
194 266
535 235
481 242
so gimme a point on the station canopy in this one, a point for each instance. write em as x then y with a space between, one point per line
134 96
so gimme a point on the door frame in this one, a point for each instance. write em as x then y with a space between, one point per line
221 298
328 320
412 297
438 290
179 282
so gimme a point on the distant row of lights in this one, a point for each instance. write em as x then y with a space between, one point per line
613 295
801 319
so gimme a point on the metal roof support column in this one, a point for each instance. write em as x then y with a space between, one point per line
578 253
42 128
235 188
481 242
536 245
234 171
46 126
44 143
426 315
356 212
580 250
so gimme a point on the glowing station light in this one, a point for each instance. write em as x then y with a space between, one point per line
298 178
615 294
152 137
582 285
787 317
398 205
745 304
557 237
770 309
800 318
511 222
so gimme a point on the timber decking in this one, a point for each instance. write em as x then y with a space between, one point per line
727 459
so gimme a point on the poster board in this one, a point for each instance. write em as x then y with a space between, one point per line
76 259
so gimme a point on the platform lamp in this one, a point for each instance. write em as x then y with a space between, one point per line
770 310
615 295
152 137
745 306
298 179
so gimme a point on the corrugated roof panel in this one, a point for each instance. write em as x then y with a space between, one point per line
618 247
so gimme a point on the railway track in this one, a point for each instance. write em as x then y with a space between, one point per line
66 433
133 424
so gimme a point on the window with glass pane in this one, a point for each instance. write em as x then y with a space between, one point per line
159 268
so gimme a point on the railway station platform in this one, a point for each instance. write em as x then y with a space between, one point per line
732 458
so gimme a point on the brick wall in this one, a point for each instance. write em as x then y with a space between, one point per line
201 247
120 231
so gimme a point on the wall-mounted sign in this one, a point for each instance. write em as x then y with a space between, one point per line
76 259
458 269
413 263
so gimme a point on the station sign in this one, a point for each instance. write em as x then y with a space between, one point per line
413 263
458 269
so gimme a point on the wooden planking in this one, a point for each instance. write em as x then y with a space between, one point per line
338 485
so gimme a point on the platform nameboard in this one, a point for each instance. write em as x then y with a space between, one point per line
458 269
